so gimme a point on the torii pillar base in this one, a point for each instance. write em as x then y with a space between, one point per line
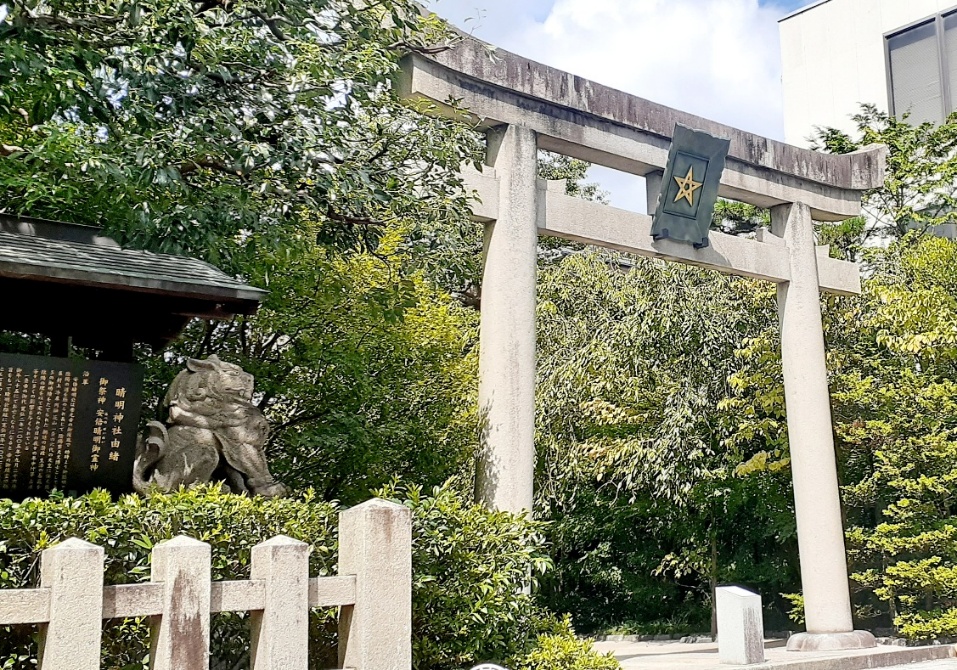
857 639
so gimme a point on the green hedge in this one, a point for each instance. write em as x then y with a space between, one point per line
471 567
561 649
127 530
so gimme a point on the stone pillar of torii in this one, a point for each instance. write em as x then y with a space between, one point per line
523 107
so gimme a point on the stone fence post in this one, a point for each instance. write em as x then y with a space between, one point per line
375 545
73 571
180 636
280 631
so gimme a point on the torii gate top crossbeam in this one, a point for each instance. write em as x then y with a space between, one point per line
596 123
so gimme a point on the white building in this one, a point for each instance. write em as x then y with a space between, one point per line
900 55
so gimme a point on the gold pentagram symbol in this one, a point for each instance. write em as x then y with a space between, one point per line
687 187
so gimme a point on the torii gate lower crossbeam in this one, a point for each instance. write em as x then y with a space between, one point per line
524 107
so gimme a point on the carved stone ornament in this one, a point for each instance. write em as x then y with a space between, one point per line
213 431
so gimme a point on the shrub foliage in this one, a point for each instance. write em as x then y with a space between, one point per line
472 572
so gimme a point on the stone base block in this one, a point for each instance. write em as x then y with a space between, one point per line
857 639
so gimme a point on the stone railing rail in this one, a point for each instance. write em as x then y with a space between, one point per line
373 590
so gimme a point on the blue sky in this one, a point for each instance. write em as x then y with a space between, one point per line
538 10
791 5
734 78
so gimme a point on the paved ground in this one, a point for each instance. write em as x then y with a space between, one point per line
678 656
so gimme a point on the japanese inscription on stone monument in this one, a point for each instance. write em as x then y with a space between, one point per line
689 187
67 424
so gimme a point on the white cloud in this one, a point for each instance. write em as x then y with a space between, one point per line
495 21
715 58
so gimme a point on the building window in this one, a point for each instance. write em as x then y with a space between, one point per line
922 69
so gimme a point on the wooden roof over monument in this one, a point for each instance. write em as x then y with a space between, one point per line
66 279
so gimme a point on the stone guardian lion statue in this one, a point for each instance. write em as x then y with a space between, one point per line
214 431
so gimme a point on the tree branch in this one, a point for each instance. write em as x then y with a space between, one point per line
197 164
352 220
421 50
271 23
10 149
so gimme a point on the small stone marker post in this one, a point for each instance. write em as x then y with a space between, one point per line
740 626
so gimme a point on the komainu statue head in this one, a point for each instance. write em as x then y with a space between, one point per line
210 379
213 431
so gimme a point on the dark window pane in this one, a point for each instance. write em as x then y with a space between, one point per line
915 74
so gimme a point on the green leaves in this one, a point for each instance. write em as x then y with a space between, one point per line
365 372
895 416
641 428
469 568
179 125
553 166
473 569
633 365
562 649
264 137
920 191
916 298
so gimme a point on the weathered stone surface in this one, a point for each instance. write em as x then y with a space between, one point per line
180 635
704 656
280 631
213 430
813 463
579 220
73 573
375 545
506 466
858 171
857 639
740 626
374 590
523 105
586 120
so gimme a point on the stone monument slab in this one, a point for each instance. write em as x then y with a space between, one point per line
67 424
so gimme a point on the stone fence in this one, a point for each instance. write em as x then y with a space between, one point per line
373 590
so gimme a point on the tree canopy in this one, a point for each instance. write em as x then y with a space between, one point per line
920 191
265 137
186 126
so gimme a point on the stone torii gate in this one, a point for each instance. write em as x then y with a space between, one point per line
524 106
